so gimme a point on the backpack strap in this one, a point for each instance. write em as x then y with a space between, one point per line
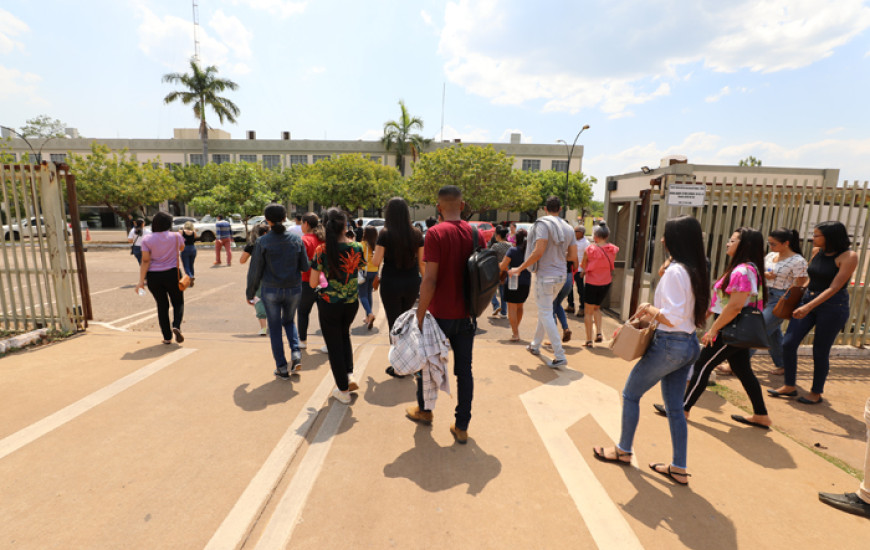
475 244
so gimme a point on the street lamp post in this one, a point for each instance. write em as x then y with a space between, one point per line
568 166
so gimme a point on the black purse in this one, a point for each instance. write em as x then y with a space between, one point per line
747 330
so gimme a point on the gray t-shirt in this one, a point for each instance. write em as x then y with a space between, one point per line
553 263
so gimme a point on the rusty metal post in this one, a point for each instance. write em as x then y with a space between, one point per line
78 246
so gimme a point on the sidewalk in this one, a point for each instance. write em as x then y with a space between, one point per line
200 446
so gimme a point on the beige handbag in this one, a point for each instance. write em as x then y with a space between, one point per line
633 338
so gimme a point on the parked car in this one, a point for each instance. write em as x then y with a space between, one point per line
376 222
206 232
485 229
179 221
28 228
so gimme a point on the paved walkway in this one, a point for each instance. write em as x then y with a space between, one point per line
113 440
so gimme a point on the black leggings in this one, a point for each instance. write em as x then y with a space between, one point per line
739 359
306 302
398 295
164 287
335 321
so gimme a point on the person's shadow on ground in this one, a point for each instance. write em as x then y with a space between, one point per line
750 443
697 523
390 393
434 468
270 393
151 352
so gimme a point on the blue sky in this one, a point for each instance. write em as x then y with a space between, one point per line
783 80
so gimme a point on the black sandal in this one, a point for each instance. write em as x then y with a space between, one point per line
599 338
669 473
616 458
588 343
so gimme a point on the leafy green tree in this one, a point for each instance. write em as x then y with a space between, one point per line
43 126
400 139
485 176
202 87
750 161
352 182
549 182
240 188
121 182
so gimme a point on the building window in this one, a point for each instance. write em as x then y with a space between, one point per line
196 159
559 166
531 165
271 161
220 159
58 158
316 158
298 159
376 158
172 165
248 158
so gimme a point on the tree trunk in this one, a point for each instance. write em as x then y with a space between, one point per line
203 135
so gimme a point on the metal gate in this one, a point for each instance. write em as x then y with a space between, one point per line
40 285
763 205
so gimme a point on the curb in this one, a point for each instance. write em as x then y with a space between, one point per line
23 340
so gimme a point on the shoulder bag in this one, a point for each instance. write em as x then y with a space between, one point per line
633 338
747 329
789 302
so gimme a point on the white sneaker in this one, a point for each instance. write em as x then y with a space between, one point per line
323 350
352 384
302 344
341 396
264 331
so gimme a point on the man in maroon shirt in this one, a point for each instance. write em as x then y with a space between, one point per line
446 251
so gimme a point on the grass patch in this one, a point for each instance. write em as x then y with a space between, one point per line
50 336
739 400
8 333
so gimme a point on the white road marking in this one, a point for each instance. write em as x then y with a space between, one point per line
12 443
150 313
107 290
235 528
555 407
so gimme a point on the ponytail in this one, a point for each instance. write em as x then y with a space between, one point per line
276 214
334 227
791 236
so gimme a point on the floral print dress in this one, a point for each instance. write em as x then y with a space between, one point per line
341 287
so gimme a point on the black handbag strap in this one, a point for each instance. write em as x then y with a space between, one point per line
760 283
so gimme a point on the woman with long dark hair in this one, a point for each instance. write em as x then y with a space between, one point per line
160 267
741 285
369 242
277 264
784 267
824 305
400 248
313 236
338 259
516 297
680 308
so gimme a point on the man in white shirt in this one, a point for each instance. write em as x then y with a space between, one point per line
297 227
582 243
549 247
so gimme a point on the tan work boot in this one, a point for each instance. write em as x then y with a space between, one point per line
461 436
415 414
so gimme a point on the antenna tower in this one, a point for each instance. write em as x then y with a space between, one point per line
195 26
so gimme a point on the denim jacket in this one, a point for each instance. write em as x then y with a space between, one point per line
278 261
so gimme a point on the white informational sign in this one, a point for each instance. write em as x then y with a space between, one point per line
686 194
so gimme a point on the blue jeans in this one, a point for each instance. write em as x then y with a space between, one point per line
188 255
136 251
558 310
773 324
281 304
495 298
460 332
365 292
829 319
668 358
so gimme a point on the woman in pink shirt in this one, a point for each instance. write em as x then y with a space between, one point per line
159 267
597 264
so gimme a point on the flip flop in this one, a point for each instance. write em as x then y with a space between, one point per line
588 343
806 401
617 457
744 420
774 393
599 337
669 473
515 338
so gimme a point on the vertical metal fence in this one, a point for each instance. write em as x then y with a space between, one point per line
40 285
765 205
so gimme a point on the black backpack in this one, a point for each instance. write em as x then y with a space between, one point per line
482 277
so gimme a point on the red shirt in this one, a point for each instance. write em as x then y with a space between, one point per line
311 243
449 245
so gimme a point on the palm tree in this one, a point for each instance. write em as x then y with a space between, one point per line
399 139
202 89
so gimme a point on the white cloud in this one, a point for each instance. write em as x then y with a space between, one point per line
233 33
426 17
372 135
498 49
716 97
467 134
14 83
169 40
10 27
281 8
836 130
